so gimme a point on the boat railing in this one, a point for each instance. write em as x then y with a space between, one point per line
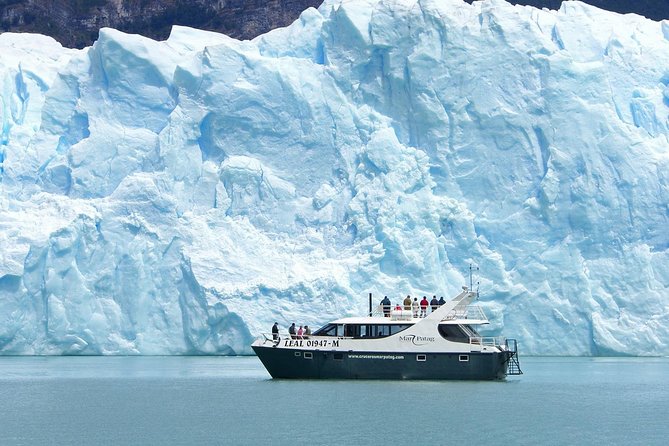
275 339
488 341
399 312
381 310
468 312
269 337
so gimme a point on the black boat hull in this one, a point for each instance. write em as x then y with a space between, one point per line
319 364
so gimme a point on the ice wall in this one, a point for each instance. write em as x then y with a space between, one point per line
178 197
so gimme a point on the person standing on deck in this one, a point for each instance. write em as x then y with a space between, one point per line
291 331
275 331
423 306
385 303
434 303
415 306
407 303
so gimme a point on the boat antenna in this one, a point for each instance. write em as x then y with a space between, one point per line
473 268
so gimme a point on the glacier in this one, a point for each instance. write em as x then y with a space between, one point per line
178 197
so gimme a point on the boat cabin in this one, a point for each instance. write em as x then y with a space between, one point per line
361 330
373 328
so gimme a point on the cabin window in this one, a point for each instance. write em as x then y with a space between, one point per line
298 353
308 355
352 331
328 330
469 331
421 358
339 356
358 331
453 333
361 331
382 331
464 358
397 328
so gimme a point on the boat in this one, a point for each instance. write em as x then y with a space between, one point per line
395 344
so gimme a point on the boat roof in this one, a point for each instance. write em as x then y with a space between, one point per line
456 311
364 320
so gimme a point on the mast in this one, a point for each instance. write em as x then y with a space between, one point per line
473 268
370 304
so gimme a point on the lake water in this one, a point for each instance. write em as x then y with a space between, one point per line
232 400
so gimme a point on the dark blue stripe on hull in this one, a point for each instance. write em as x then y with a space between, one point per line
285 363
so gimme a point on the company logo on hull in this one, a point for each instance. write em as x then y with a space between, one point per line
417 340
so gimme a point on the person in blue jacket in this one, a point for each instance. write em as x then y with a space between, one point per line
434 303
386 306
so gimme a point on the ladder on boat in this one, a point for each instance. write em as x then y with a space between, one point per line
513 362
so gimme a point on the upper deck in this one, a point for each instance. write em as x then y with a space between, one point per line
470 314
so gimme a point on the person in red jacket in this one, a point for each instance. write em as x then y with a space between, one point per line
423 307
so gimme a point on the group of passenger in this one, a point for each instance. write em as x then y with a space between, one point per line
418 309
295 333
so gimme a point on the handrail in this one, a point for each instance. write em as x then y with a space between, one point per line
488 341
269 337
483 341
469 312
394 313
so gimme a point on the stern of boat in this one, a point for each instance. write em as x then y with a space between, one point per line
512 360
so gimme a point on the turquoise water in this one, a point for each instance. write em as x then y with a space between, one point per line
222 400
